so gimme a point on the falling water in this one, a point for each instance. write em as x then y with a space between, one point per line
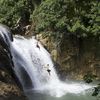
30 65
34 61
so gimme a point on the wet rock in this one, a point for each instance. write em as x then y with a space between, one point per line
9 89
10 92
74 56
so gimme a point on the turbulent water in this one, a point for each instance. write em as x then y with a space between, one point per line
31 62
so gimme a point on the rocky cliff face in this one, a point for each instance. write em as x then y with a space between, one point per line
74 57
9 90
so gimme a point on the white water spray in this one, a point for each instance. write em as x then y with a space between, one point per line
35 60
30 66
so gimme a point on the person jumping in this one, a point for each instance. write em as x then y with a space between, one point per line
48 70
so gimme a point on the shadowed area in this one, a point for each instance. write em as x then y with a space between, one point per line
6 63
25 78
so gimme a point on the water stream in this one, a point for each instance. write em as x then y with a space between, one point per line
31 62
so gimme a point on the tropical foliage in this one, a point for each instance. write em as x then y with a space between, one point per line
58 18
90 77
78 17
12 10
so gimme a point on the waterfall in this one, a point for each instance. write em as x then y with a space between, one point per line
31 62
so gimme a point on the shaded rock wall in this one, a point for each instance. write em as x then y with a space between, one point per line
9 89
74 57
